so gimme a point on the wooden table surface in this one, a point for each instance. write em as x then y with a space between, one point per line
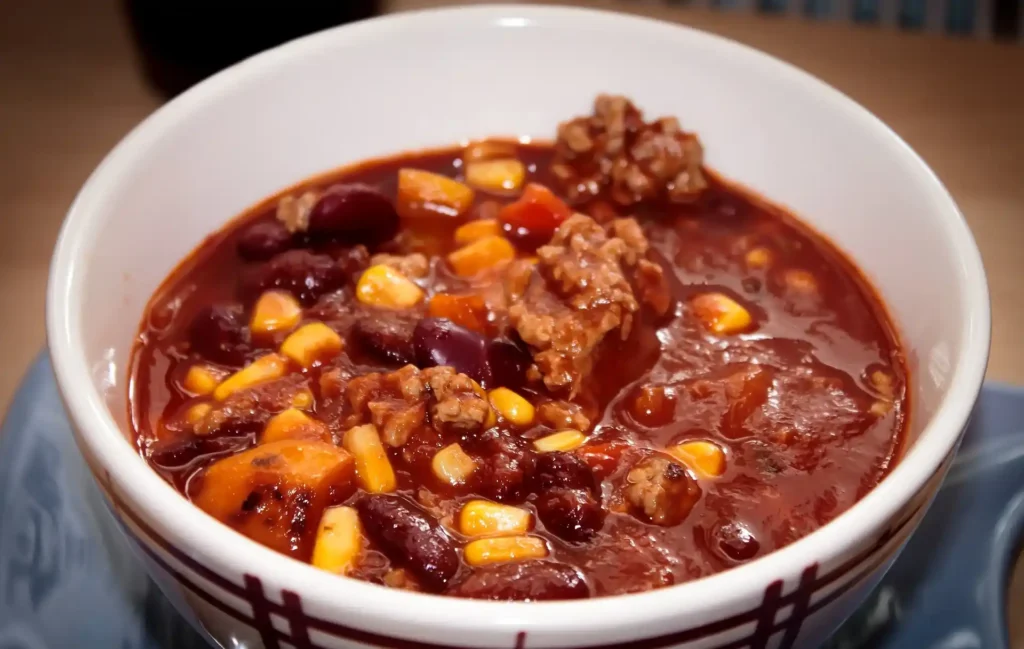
69 90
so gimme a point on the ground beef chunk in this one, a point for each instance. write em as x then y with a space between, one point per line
635 161
563 414
294 212
414 265
399 402
652 287
246 411
578 295
660 491
506 464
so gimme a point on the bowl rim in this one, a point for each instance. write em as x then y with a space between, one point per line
374 607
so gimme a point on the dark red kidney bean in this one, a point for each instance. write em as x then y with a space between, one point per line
508 359
411 538
263 240
439 341
305 275
220 333
735 542
525 239
354 211
386 337
524 581
183 453
562 470
572 514
353 261
506 465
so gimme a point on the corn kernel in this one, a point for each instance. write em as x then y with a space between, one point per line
504 548
386 287
706 458
758 257
484 518
197 413
721 314
880 408
202 380
422 194
275 311
496 175
882 383
452 465
488 150
303 399
339 539
474 230
512 407
264 368
373 468
801 281
294 424
480 255
563 440
311 343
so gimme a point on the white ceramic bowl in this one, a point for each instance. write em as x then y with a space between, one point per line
435 78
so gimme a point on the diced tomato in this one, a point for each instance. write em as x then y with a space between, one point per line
535 216
603 458
468 311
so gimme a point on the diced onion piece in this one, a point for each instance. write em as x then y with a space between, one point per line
563 440
422 194
339 540
484 518
264 368
488 150
467 311
721 314
202 380
294 424
707 459
758 257
312 343
504 548
386 287
512 407
496 175
373 468
480 255
470 232
275 311
452 465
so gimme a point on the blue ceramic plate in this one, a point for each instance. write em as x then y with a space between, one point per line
68 579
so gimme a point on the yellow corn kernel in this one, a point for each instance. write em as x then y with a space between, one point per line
721 314
311 343
202 380
422 194
758 257
373 468
303 399
706 458
339 539
801 281
496 175
880 407
470 232
386 287
563 440
197 413
480 255
484 518
882 383
452 466
264 368
488 150
275 311
294 424
504 548
512 407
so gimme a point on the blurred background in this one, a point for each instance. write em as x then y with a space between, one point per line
76 75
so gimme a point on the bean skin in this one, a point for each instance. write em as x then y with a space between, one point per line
572 514
261 241
354 211
524 581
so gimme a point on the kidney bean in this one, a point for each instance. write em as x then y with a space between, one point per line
562 470
354 211
305 275
263 240
409 537
387 337
220 333
734 542
439 341
505 467
524 581
182 453
508 358
653 406
573 514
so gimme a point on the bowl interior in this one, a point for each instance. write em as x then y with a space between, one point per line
439 78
